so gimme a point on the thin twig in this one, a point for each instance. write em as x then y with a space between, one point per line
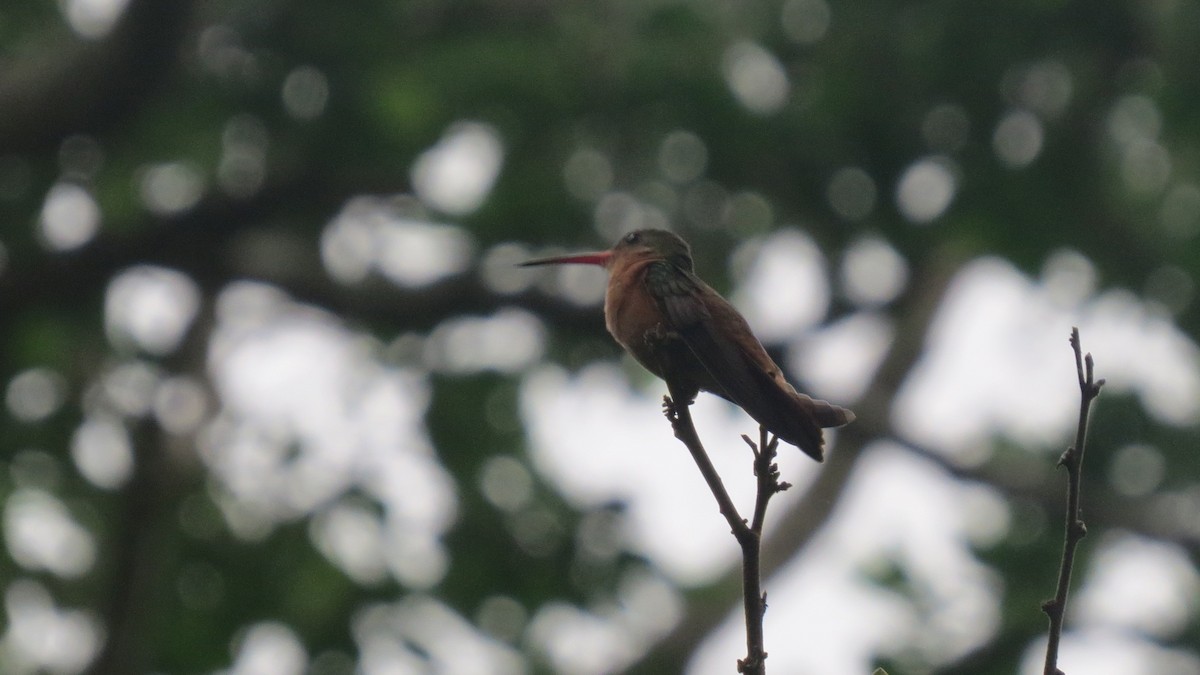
685 430
767 473
749 536
1072 460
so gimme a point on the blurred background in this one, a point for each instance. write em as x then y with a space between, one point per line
276 400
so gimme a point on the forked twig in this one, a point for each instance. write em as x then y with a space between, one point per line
748 535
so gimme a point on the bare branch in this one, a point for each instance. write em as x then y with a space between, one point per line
748 536
1072 460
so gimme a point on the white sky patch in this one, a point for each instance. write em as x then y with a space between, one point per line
838 361
373 234
604 638
419 634
414 253
597 441
310 414
92 19
508 341
1166 372
998 360
1140 585
457 173
42 638
785 289
1110 652
269 648
42 535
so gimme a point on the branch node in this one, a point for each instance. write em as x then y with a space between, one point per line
1067 459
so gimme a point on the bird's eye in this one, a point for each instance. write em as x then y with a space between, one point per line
633 237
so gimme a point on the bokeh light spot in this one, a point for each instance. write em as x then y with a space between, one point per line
1018 139
43 638
851 193
1180 213
170 188
756 78
1134 118
1145 167
351 537
150 308
269 648
806 21
92 19
242 169
42 535
376 234
926 189
35 394
873 272
506 483
457 173
70 217
508 341
619 212
1044 87
588 174
1069 277
305 93
1137 470
682 157
784 289
180 404
502 617
414 253
102 452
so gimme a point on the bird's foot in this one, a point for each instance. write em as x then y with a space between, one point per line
672 409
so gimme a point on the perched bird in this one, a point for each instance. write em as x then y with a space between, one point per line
681 330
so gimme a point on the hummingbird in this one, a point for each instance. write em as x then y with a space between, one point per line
684 332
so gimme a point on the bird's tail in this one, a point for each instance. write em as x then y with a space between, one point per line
828 415
800 422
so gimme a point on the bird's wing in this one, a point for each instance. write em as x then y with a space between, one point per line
723 343
680 295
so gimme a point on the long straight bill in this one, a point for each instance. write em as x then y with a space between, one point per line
601 258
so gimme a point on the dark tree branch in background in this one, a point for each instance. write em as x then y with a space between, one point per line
1072 460
215 243
749 536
